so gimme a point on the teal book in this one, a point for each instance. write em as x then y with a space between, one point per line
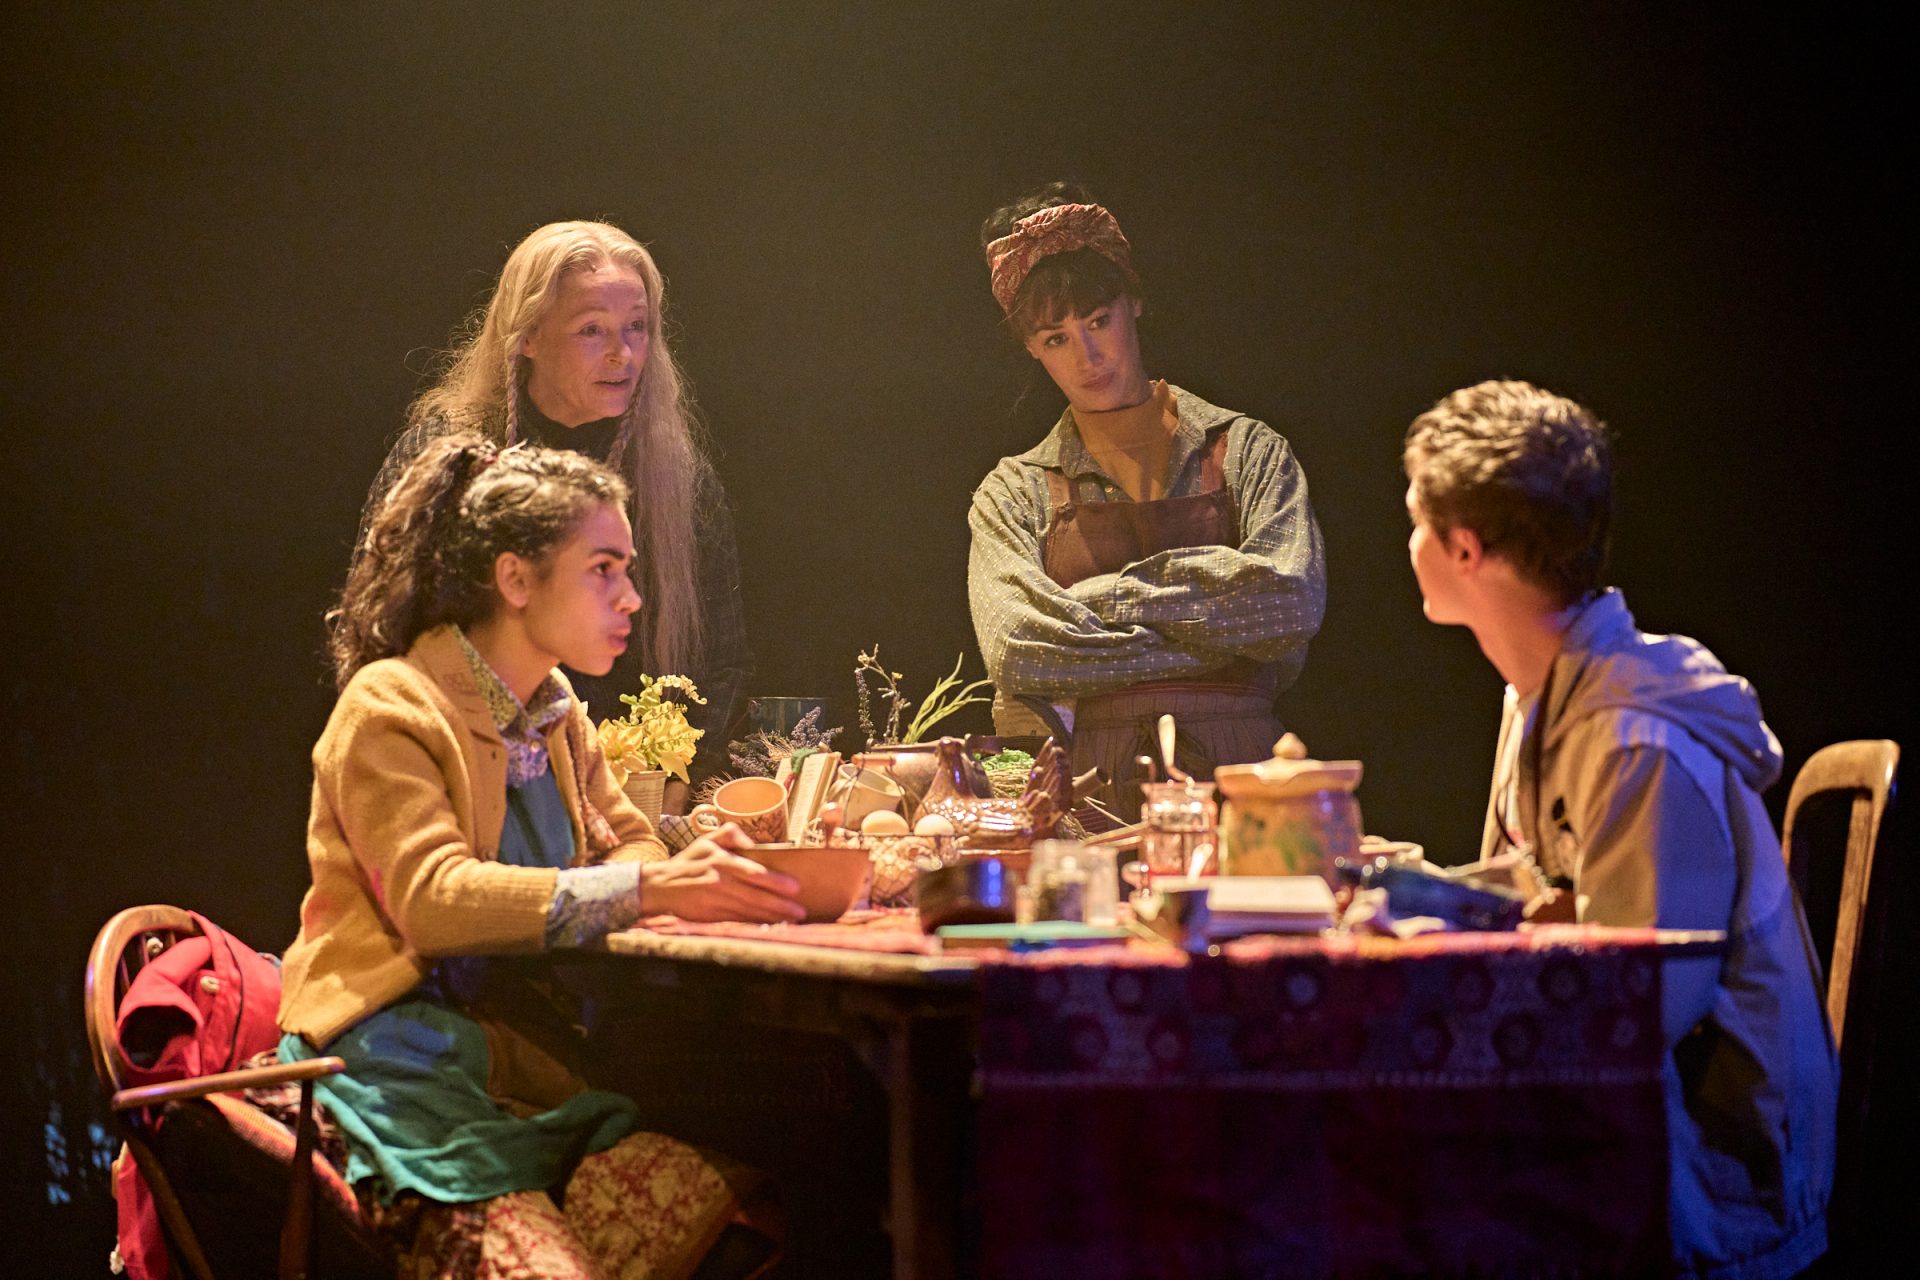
1038 936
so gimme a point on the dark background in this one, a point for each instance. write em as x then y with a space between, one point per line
235 238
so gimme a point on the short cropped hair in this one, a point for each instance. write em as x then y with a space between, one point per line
1529 472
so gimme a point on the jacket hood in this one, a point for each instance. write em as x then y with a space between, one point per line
1606 663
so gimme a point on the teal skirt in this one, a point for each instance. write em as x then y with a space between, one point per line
414 1109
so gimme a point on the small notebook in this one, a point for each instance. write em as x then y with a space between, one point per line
1261 904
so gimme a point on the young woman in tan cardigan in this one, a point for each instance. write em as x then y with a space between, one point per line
464 821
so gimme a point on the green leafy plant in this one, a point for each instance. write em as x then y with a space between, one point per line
654 734
945 698
1009 761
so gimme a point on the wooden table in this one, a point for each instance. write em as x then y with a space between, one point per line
909 1018
918 1022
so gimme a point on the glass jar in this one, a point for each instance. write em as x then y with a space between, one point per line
1067 880
1179 819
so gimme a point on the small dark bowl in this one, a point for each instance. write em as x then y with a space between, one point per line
975 890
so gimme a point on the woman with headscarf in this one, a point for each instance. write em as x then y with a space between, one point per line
1155 553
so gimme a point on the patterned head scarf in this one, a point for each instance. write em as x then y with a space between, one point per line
1059 228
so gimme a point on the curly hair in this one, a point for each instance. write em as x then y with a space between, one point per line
1076 283
1529 472
659 449
432 545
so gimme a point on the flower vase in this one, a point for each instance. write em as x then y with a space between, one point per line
647 788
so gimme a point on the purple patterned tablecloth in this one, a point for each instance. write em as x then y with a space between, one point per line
1455 1104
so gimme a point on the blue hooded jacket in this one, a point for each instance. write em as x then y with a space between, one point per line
1637 774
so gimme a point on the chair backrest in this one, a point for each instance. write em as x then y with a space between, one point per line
218 1170
1866 769
120 950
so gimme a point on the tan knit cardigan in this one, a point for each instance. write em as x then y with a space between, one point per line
409 799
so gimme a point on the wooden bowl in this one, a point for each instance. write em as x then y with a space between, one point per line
831 876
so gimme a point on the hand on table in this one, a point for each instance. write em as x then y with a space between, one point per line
708 881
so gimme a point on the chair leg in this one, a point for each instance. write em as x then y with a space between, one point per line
167 1204
296 1236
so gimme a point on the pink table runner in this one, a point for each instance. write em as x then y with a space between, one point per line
890 931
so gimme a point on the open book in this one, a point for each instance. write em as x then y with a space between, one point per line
1261 904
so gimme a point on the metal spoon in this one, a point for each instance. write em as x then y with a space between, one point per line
1174 772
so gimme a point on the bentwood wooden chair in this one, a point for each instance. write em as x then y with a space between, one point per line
1863 771
1859 776
236 1192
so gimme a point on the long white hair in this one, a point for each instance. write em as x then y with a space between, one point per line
657 449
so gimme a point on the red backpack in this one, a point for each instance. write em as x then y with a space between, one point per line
204 1005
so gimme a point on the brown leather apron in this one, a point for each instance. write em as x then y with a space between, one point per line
1223 716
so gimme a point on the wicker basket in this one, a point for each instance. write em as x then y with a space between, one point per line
647 788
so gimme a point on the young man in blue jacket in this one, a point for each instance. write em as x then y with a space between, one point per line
1626 790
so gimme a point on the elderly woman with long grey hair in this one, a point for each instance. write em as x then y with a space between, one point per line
570 352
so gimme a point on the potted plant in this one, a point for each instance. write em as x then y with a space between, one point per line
945 698
651 741
907 748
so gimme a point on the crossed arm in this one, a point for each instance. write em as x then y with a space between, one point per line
1172 614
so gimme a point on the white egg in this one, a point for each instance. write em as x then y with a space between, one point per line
883 822
934 824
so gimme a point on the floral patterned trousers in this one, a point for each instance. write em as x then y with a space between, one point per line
647 1208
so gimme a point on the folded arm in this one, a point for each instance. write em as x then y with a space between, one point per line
1263 599
1036 637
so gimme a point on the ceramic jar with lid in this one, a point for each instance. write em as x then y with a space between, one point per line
1288 816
